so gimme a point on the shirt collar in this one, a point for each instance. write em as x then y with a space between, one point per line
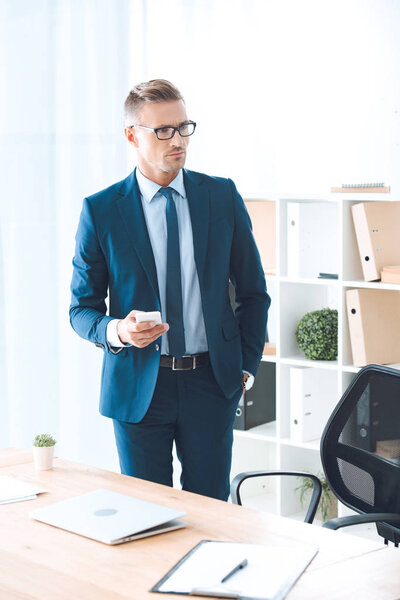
149 188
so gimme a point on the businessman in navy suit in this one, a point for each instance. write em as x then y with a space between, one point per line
168 239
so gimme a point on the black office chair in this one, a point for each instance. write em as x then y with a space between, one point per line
360 452
316 489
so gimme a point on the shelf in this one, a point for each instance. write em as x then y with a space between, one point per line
266 431
365 197
311 445
373 285
272 197
312 197
328 196
269 358
317 236
305 362
350 369
309 281
353 369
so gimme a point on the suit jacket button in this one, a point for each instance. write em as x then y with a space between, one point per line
157 347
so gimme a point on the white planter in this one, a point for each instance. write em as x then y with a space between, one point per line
43 457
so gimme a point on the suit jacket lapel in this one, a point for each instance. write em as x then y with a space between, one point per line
198 196
131 210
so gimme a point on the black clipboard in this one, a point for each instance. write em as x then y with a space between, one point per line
280 594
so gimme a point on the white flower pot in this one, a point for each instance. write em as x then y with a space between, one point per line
43 457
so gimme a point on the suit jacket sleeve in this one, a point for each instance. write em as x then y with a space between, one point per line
89 283
247 276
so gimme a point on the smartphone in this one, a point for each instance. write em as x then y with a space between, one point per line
154 316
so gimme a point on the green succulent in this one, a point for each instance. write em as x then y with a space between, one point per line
44 440
317 334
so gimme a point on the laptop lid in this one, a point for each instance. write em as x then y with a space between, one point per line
109 517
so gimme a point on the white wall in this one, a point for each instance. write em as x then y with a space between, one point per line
293 95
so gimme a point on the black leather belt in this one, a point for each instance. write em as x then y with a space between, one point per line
186 363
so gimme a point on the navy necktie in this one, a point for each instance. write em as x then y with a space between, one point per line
176 334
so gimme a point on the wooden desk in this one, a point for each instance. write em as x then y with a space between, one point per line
42 562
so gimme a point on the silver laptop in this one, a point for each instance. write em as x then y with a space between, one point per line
109 517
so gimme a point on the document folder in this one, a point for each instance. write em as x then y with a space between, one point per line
377 226
374 326
269 572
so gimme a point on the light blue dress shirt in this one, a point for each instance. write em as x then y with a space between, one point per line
154 204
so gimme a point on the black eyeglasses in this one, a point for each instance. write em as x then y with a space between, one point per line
166 133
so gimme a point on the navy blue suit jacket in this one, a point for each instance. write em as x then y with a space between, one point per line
114 257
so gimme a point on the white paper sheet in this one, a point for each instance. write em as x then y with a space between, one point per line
14 490
270 572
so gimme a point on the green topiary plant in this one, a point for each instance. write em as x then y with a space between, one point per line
44 440
317 333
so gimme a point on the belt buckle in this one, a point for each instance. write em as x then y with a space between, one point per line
174 368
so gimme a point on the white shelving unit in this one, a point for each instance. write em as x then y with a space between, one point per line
269 446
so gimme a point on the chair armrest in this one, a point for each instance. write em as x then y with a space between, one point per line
357 519
316 493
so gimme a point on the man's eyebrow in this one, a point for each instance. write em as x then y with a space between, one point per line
169 124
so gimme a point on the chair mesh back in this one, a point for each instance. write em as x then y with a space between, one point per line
360 446
358 482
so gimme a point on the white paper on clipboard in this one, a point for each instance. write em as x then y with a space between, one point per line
270 573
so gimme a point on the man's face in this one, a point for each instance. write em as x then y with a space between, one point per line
159 160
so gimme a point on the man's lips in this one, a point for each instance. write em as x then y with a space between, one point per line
178 153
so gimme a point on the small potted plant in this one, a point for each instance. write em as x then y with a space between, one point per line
327 505
317 334
43 451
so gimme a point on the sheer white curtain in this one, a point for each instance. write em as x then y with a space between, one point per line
65 70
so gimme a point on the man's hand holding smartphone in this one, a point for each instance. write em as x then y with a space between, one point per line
141 328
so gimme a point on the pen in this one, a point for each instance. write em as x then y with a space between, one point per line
241 565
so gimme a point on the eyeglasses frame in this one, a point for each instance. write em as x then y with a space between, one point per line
157 129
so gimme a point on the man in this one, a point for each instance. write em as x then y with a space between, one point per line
168 239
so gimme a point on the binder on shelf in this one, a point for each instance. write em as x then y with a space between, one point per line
376 419
269 349
388 448
312 399
310 225
374 326
390 274
377 226
258 405
262 215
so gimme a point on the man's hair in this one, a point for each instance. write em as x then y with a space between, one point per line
155 90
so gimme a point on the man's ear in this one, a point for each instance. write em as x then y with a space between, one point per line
131 136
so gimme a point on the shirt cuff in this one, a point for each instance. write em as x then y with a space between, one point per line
250 380
113 337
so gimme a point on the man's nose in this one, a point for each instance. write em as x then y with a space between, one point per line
177 139
176 136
